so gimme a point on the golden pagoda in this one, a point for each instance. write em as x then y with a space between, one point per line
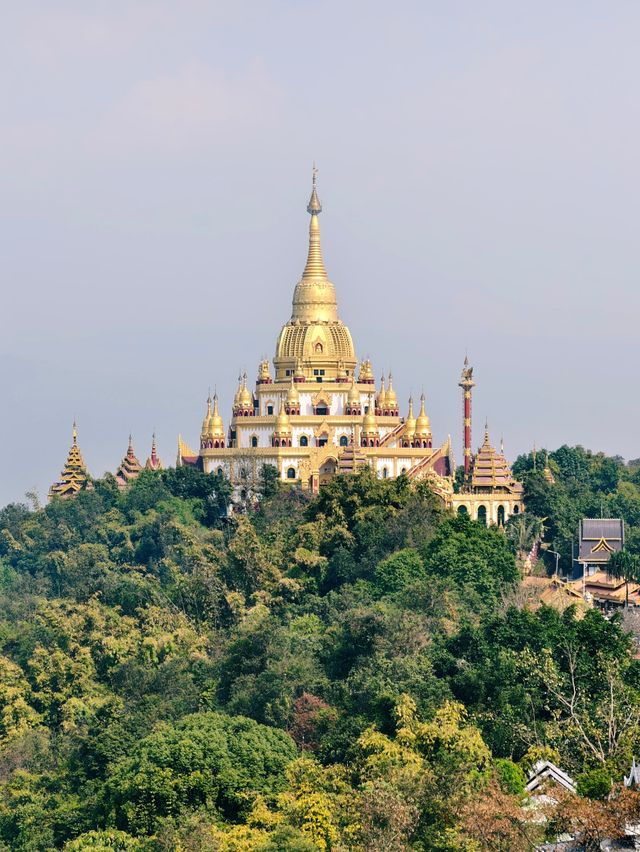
318 412
130 467
74 475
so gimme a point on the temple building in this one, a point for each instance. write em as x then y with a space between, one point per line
74 475
317 412
489 493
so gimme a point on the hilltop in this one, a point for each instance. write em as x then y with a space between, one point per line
353 671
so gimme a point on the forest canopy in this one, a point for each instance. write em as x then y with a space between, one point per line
354 671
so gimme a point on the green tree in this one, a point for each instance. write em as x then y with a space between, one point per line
207 760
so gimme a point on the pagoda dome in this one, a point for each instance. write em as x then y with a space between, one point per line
293 397
216 426
410 422
382 394
206 423
353 397
369 424
392 399
245 398
314 333
423 424
283 425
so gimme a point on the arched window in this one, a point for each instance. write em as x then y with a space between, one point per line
304 441
500 516
254 441
219 471
344 441
385 473
482 515
318 347
462 510
516 509
291 473
404 470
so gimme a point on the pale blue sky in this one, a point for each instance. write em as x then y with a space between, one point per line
480 180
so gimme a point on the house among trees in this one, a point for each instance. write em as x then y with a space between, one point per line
598 538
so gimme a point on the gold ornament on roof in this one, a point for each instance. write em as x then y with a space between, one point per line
392 399
423 424
366 371
382 394
410 422
216 426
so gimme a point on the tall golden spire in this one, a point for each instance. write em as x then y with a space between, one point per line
314 268
314 299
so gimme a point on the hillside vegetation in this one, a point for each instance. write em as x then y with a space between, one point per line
350 672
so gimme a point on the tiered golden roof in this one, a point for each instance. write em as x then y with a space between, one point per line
491 471
74 475
130 467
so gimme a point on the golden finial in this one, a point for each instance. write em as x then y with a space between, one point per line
75 433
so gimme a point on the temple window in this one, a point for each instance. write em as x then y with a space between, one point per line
318 347
322 409
462 510
500 516
482 515
322 441
304 441
344 441
254 441
291 473
385 473
516 509
270 409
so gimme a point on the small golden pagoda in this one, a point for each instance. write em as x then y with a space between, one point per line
130 467
74 475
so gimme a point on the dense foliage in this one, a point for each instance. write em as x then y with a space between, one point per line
349 672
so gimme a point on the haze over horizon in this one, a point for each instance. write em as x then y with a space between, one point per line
480 183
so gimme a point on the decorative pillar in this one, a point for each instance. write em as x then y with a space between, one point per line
466 383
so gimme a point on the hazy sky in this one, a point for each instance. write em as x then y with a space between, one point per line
479 171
